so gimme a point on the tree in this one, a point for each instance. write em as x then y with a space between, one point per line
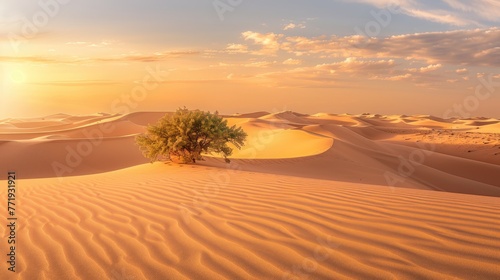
186 134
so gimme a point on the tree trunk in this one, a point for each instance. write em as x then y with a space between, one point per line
184 157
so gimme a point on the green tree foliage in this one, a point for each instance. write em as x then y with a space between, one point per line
186 134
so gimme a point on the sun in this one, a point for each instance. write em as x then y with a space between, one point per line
17 76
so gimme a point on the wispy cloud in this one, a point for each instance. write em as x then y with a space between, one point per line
487 9
330 74
103 43
78 43
77 83
259 64
450 12
441 16
158 56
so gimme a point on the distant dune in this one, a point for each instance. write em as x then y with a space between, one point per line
323 196
450 155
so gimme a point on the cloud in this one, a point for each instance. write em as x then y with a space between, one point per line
77 83
440 16
33 59
292 25
259 64
268 42
462 71
330 74
158 56
306 77
344 73
236 48
104 43
421 59
449 12
466 47
394 78
292 61
78 43
247 64
426 69
488 9
478 47
352 64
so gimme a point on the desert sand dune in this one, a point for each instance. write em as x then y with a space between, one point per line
356 148
143 118
193 222
308 197
489 128
251 115
36 159
323 118
113 129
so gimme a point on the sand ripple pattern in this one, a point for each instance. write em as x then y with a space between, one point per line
193 222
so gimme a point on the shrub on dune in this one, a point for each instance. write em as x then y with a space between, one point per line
185 135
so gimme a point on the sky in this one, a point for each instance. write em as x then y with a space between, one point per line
438 57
